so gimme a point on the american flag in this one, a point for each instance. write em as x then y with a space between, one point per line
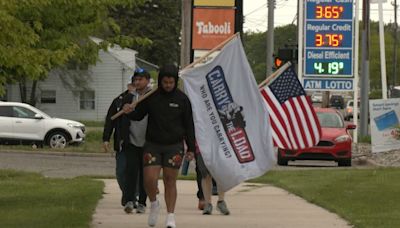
294 122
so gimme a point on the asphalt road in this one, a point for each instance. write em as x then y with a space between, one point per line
73 165
51 165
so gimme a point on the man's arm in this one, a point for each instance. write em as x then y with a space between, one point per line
109 125
136 113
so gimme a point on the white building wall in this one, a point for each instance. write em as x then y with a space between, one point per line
108 78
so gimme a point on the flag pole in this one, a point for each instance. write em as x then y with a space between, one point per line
133 104
274 75
219 46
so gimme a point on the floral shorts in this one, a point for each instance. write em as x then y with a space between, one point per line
163 155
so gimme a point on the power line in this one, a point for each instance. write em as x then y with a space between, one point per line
255 10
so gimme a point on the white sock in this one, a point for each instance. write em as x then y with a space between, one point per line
154 203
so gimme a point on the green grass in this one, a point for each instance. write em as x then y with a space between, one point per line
364 139
31 200
89 123
365 198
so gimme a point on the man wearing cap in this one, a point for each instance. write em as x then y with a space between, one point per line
170 122
133 139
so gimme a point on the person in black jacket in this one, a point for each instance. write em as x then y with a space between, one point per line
170 122
113 127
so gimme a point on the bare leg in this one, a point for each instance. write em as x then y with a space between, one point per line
151 175
206 184
169 177
221 196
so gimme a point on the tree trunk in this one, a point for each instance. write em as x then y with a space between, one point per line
33 93
22 90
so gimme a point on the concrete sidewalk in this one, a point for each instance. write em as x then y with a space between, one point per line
251 205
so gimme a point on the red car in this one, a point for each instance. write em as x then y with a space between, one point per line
334 145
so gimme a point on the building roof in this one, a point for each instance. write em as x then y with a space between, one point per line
124 55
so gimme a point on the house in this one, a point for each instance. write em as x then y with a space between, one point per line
85 94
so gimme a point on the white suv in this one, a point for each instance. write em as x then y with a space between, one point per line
21 122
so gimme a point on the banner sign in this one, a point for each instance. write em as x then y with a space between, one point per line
328 84
232 127
227 3
211 27
384 119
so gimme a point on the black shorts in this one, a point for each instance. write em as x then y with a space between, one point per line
163 155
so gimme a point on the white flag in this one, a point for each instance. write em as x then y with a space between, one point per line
231 123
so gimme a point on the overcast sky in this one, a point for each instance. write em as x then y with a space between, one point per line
256 13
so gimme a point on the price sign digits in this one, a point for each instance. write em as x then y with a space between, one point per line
328 67
328 40
328 12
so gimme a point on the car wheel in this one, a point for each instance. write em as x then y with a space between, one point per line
344 162
57 140
282 161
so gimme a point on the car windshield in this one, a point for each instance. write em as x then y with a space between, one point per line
40 112
330 120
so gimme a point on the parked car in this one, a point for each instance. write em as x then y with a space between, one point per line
348 111
336 101
23 123
335 142
316 97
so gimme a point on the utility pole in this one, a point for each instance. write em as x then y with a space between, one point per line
185 32
395 46
365 69
270 36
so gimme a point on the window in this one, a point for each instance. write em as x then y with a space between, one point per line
48 97
87 101
21 112
6 111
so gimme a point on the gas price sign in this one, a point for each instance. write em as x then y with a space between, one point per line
328 34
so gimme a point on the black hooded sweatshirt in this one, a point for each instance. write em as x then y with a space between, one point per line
111 126
170 119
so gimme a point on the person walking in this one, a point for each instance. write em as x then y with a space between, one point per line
113 127
133 137
170 122
207 186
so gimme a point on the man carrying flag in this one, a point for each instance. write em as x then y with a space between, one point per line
230 120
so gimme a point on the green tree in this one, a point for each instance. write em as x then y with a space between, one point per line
160 22
41 35
375 61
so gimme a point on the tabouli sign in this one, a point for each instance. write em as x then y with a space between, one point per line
211 27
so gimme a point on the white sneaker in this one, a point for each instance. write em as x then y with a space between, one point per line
154 211
128 207
170 221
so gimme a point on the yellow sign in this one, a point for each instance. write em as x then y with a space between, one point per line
230 3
